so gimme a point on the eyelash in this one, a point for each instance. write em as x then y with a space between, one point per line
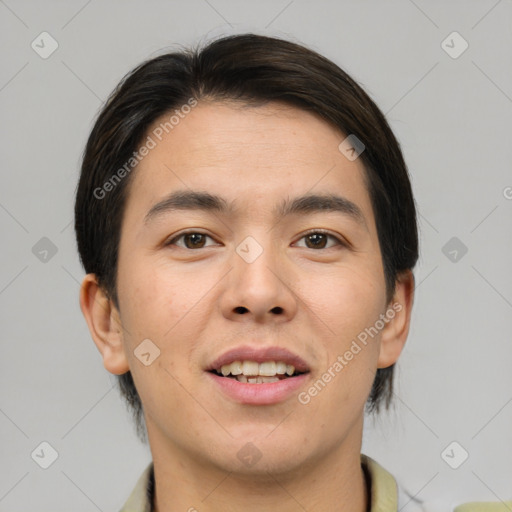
338 240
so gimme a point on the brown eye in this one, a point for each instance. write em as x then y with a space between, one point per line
316 240
192 240
319 240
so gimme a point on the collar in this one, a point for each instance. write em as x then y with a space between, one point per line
382 485
383 489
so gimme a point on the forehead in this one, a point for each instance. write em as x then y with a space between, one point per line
215 130
251 156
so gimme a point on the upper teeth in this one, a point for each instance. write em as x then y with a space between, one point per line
266 369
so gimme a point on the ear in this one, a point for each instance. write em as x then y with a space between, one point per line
104 324
398 313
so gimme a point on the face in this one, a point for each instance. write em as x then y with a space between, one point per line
249 244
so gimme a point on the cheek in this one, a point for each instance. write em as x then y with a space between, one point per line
347 300
161 391
171 308
154 297
157 303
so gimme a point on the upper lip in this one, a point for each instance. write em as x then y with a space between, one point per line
259 355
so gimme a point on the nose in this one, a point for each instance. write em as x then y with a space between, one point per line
259 291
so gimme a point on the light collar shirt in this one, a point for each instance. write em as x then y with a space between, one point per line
385 494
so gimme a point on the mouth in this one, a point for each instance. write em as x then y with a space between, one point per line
252 372
258 376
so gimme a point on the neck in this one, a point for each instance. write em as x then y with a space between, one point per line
334 481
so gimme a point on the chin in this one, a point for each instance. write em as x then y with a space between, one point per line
260 453
257 463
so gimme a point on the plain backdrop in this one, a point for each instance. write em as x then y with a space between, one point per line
450 107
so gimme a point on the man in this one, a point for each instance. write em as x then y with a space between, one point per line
248 229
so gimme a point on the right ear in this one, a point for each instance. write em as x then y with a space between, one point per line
104 324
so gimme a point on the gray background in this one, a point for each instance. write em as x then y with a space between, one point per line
452 117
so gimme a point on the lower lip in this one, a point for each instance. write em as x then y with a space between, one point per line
259 394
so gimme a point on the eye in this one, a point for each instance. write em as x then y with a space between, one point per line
319 240
190 240
313 240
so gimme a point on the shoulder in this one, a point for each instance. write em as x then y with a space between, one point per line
388 495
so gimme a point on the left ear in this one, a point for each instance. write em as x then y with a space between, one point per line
394 334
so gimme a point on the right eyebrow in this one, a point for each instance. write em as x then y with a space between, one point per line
185 200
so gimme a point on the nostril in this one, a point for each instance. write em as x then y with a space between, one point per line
241 310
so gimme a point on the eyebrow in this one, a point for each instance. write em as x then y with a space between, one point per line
303 205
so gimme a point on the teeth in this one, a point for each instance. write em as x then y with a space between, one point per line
236 368
257 380
254 369
250 368
268 369
281 368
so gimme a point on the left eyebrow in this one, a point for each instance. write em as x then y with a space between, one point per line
314 203
303 205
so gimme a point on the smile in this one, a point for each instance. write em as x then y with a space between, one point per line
277 372
252 372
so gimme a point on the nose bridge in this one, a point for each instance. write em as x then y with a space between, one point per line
257 286
256 264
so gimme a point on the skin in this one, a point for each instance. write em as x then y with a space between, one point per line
186 300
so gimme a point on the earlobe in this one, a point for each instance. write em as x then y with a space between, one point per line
394 335
104 324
